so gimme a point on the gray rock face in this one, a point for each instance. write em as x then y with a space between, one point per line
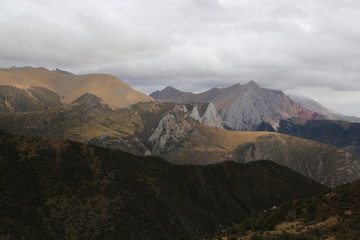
208 115
211 117
171 130
175 126
194 114
249 110
243 107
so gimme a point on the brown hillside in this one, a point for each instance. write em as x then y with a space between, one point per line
112 91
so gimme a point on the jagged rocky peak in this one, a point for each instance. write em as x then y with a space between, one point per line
176 125
62 71
211 117
206 113
194 114
252 84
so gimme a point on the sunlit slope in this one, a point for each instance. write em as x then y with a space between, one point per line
113 91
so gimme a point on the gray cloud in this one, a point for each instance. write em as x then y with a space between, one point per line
193 44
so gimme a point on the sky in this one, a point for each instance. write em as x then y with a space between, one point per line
309 48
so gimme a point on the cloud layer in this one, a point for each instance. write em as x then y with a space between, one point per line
293 45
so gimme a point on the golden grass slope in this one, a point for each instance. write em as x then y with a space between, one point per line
113 91
207 145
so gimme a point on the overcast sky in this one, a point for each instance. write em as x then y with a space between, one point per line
305 47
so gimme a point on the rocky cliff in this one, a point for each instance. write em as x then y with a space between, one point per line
172 128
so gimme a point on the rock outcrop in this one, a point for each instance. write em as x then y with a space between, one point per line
211 117
175 126
171 130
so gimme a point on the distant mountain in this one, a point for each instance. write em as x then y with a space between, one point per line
317 107
330 215
111 90
243 107
168 93
55 189
312 105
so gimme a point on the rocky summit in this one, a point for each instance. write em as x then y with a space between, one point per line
88 157
243 107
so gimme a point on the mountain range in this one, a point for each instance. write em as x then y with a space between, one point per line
250 107
243 107
176 132
87 156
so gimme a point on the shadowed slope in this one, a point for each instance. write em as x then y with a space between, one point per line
53 189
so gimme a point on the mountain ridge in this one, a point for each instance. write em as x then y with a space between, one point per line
174 131
170 131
